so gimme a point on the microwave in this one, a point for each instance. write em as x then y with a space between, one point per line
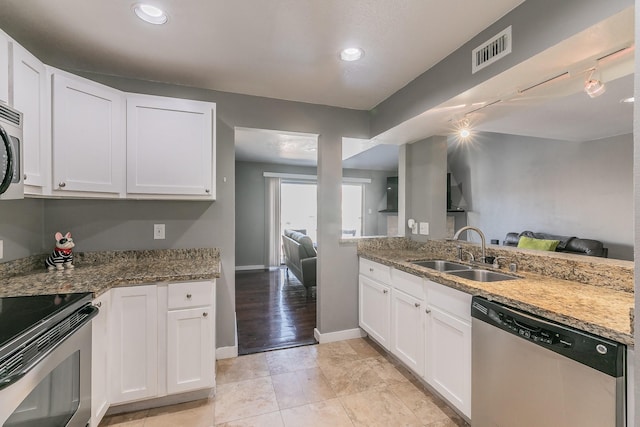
11 154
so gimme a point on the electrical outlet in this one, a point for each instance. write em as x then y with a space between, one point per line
158 231
424 228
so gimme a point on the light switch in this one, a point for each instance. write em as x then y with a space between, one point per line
424 228
158 231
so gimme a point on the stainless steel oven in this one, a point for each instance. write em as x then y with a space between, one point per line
45 370
11 154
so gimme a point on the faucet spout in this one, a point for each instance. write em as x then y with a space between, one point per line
480 233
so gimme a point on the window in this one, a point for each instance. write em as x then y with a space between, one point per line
351 210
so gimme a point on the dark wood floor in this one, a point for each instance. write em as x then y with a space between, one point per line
273 311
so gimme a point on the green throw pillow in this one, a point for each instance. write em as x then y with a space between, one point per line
539 244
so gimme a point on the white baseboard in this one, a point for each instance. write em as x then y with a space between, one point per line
347 334
231 351
249 267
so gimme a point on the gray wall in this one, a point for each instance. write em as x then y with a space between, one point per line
250 208
250 205
537 25
426 186
21 228
515 183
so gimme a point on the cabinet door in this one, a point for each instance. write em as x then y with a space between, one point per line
448 358
29 97
100 369
190 352
407 330
375 309
170 147
88 136
134 343
4 67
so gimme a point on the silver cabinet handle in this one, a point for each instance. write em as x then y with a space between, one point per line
99 304
371 270
188 296
207 191
24 177
205 314
427 311
385 291
62 184
417 304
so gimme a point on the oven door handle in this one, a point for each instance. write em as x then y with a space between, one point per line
90 311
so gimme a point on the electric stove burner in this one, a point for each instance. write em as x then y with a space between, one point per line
21 314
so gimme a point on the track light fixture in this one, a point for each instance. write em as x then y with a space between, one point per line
593 87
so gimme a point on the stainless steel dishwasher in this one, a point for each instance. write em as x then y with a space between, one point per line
531 372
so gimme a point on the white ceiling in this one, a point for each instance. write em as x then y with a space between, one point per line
286 49
271 146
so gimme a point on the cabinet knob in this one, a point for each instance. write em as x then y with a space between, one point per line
207 191
371 270
417 304
99 304
24 177
427 311
62 185
188 296
385 291
205 314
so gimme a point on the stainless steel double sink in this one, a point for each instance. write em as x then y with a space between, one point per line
464 271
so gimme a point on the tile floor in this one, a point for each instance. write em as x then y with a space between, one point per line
345 383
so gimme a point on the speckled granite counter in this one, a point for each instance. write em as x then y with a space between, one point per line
98 272
602 309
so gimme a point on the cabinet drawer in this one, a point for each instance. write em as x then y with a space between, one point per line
407 283
189 294
376 271
449 300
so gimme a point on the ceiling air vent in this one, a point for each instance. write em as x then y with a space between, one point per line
493 49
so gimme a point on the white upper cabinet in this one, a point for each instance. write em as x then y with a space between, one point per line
170 148
29 97
4 67
88 137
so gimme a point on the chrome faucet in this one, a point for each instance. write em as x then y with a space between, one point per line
480 233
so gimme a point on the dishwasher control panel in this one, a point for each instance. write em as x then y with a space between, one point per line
599 353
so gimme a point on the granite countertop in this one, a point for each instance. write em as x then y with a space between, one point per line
601 310
97 272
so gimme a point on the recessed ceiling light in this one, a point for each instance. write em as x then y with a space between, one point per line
150 14
628 100
351 54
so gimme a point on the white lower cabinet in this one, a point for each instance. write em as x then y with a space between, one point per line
100 369
162 340
134 320
375 309
408 330
448 345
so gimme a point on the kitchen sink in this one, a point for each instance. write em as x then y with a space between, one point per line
482 275
442 265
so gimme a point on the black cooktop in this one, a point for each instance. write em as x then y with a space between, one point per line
21 314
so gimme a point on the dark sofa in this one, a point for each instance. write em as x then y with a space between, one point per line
568 244
300 257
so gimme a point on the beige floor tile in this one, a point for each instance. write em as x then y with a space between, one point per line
301 387
274 419
131 419
329 413
244 399
315 386
389 373
291 359
423 405
241 368
364 348
199 413
335 353
353 377
380 407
